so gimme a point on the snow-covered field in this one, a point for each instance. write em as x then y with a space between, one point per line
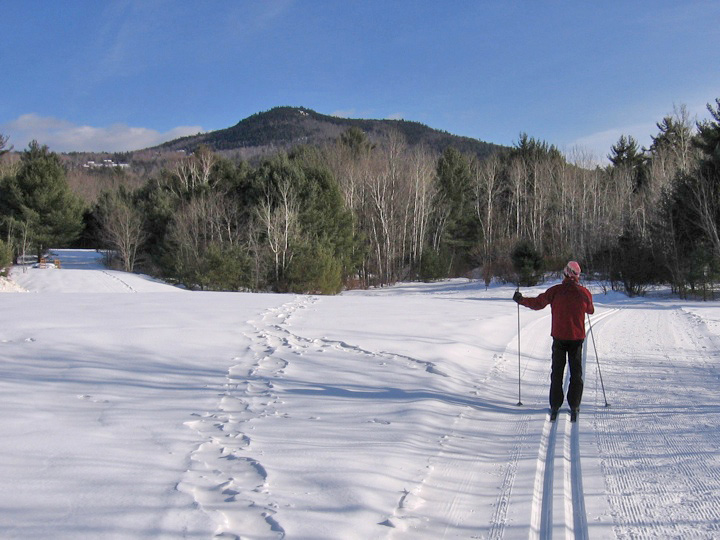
132 409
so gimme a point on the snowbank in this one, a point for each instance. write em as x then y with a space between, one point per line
8 285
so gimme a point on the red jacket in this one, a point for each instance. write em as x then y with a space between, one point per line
569 302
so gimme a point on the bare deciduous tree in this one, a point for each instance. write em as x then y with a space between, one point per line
422 193
123 230
192 173
3 143
280 222
705 202
386 184
487 177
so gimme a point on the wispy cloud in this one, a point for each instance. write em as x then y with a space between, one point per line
396 116
64 136
248 21
273 10
599 144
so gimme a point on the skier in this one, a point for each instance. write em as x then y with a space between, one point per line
569 302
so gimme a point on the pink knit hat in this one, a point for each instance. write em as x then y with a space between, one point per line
572 270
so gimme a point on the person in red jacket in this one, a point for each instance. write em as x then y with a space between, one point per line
569 302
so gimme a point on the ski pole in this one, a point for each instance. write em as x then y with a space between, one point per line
602 385
519 387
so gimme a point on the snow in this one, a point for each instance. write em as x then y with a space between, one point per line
132 409
8 285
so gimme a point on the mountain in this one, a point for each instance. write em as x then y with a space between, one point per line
284 127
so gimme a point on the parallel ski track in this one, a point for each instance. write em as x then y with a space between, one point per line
498 521
499 518
541 516
656 437
576 525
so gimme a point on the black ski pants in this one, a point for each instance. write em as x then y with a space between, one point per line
571 351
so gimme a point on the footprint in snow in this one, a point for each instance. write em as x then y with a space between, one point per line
88 397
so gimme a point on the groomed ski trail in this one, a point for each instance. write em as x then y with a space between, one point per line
568 497
541 517
544 496
667 428
544 525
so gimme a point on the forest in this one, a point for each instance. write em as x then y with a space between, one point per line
362 211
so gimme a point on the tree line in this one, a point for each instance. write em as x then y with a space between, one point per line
361 212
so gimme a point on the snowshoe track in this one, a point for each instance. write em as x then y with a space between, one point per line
227 483
226 477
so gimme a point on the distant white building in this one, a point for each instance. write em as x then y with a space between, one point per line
106 164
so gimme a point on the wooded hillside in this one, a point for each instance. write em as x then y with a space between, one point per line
285 127
363 209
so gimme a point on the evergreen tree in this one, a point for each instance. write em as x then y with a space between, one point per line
625 155
687 230
527 263
39 201
305 222
531 149
636 264
455 199
708 139
671 135
706 179
356 141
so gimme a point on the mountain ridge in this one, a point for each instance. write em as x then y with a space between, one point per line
285 126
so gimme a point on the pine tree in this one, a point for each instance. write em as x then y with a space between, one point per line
626 155
456 200
527 263
707 177
708 140
38 200
355 140
674 141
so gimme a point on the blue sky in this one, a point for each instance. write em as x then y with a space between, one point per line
120 75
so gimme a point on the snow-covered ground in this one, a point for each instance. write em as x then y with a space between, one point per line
132 409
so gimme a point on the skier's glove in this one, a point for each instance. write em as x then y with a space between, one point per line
517 296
